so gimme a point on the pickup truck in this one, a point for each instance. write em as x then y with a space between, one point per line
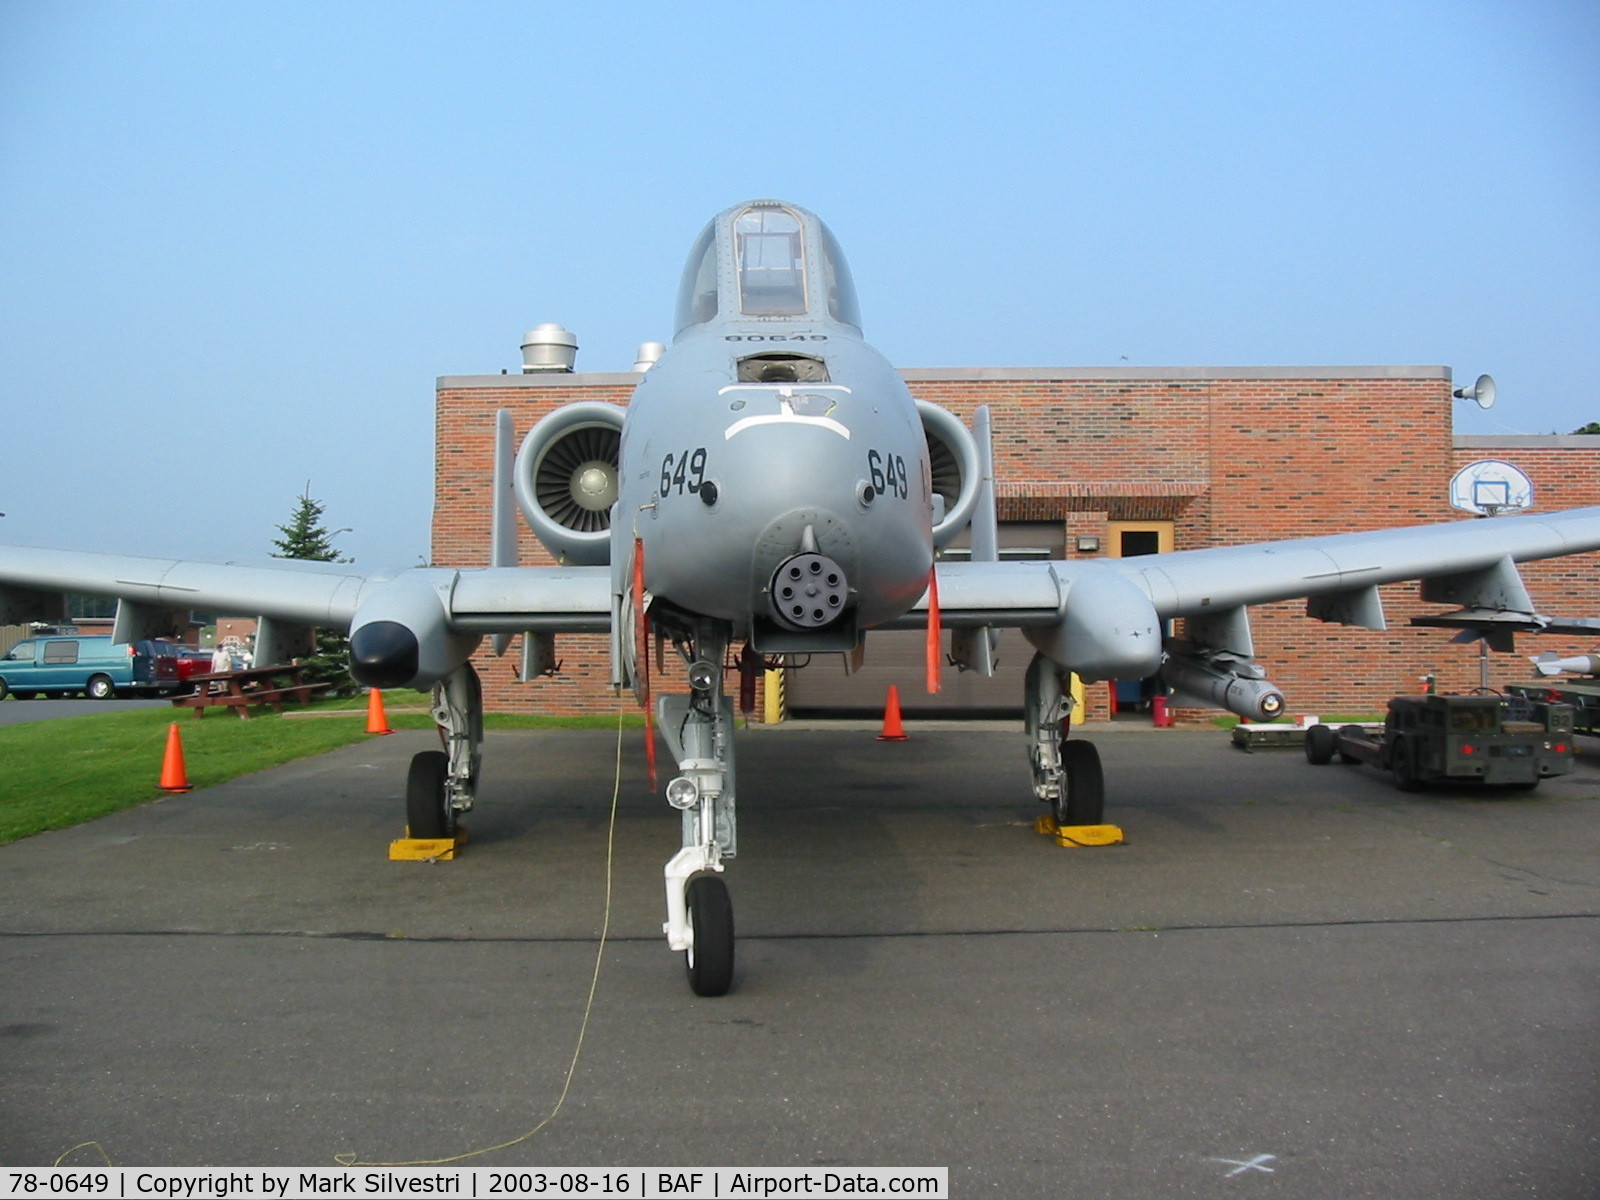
1433 739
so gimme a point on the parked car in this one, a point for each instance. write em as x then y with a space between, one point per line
61 664
191 662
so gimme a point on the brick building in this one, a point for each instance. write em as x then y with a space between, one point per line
1095 461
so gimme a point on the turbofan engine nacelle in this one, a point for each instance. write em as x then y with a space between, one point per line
401 635
566 480
953 465
1250 698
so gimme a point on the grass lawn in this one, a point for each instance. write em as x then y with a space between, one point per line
62 772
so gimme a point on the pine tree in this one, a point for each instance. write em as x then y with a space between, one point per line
306 538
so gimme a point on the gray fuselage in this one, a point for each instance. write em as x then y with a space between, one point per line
759 438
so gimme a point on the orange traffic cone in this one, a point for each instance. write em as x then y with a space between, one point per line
377 719
174 778
893 730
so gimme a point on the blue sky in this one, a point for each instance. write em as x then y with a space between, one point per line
242 241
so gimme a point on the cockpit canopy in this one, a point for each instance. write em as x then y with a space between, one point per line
766 259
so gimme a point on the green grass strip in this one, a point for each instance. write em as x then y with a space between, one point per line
73 769
69 770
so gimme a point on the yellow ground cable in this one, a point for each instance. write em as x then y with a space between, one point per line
83 1146
351 1160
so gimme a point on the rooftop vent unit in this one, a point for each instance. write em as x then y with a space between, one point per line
548 349
648 353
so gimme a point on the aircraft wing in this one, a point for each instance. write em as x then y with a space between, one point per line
1105 618
152 591
1464 562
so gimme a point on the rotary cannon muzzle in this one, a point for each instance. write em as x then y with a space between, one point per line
809 591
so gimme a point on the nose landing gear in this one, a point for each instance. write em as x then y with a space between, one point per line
709 958
698 729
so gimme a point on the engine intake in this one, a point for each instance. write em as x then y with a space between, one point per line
953 462
566 480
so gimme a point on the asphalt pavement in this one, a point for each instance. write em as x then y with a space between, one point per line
1291 981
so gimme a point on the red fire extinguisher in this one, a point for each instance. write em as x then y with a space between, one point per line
1159 713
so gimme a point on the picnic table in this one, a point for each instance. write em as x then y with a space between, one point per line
239 690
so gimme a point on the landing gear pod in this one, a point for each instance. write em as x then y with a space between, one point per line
401 635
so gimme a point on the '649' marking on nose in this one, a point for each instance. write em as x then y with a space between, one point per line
689 475
887 474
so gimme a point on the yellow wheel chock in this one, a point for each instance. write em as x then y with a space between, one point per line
410 849
1079 835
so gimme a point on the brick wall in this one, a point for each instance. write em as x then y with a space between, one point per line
1227 455
463 475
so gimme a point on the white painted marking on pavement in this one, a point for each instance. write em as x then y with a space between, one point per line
1258 1163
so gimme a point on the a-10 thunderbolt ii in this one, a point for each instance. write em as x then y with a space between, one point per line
773 489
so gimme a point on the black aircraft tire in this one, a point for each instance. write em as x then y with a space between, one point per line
427 813
1320 743
1084 782
710 960
1403 765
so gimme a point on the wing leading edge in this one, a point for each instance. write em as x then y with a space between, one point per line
155 595
1187 583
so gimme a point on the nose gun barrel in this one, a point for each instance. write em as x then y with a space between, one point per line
809 591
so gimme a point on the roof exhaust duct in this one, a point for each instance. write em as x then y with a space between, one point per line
647 355
549 349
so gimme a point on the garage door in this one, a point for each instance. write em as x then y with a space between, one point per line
898 657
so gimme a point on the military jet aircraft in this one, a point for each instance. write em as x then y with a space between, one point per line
773 489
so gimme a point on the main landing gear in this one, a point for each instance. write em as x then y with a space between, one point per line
1066 773
442 784
698 729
